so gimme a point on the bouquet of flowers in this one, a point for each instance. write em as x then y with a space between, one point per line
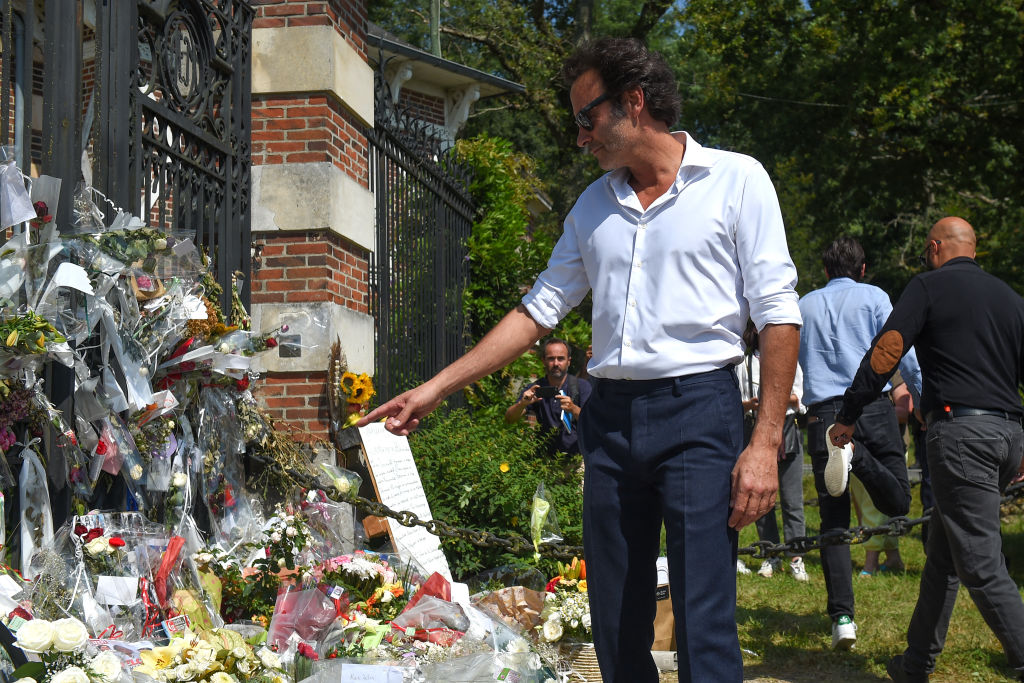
216 656
60 646
369 585
566 612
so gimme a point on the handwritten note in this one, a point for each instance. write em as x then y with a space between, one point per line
399 487
370 673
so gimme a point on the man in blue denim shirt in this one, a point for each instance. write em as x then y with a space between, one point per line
840 322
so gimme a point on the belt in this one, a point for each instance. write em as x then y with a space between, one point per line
948 412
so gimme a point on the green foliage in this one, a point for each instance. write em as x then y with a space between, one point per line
507 249
460 460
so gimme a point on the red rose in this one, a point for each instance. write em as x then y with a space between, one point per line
80 530
116 542
271 342
306 651
93 533
101 447
40 208
243 383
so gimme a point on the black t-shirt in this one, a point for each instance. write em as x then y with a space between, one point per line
968 329
548 412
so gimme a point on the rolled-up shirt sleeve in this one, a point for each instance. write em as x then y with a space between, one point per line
769 276
562 285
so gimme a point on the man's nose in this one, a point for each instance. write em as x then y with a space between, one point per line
583 137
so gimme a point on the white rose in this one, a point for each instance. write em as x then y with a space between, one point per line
281 562
552 630
107 666
224 348
269 658
180 479
69 635
97 546
586 621
160 244
27 679
221 677
72 674
517 645
245 667
290 518
184 672
275 537
291 531
239 652
35 635
387 597
342 485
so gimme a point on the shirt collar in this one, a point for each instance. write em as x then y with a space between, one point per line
695 155
841 281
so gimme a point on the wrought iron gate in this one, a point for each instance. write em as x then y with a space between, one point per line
420 269
156 92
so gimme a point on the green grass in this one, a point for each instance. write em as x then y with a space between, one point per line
785 632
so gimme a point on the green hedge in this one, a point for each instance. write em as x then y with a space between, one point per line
460 463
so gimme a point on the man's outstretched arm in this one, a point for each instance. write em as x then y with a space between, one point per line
509 339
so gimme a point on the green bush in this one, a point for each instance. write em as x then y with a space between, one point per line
461 460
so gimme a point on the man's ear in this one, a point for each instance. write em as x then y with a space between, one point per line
863 269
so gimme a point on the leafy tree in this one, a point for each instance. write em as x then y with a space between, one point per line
508 248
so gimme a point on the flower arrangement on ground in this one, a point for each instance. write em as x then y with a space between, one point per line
566 612
216 656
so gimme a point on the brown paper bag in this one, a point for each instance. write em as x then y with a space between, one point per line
664 622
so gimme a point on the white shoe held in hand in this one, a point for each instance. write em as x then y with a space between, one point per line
837 469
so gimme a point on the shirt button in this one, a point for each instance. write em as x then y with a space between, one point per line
643 226
628 344
633 303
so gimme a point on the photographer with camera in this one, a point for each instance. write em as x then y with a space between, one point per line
554 402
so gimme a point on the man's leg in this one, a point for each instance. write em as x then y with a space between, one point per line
621 533
695 484
879 461
835 516
791 496
926 635
971 462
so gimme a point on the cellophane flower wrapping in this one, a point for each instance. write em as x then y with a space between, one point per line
306 613
331 525
233 520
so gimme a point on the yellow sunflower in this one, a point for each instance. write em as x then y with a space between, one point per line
362 389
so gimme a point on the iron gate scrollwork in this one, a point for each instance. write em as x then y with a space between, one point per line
157 92
420 268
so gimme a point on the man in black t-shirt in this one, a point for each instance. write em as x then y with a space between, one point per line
558 414
968 329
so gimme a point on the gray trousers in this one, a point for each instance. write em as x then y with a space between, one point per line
972 459
791 497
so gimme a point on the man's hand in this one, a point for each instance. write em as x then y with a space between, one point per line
566 404
404 412
755 480
841 434
530 395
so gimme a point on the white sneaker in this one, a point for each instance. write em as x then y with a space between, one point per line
796 567
768 567
844 633
837 469
742 568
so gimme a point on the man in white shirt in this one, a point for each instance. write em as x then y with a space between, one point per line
680 245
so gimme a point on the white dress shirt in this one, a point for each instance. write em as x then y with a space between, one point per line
673 284
750 383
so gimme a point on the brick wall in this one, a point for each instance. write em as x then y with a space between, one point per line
315 265
425 107
347 16
298 401
311 128
303 267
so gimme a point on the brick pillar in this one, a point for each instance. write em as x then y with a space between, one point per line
313 213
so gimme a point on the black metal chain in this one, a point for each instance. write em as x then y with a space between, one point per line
759 550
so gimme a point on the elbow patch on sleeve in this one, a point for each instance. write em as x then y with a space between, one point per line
887 352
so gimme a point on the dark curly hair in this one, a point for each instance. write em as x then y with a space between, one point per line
626 63
843 258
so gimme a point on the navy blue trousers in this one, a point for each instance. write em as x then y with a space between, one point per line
662 450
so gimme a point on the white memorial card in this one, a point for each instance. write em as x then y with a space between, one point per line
370 673
399 487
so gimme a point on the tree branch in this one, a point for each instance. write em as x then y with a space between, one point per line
651 12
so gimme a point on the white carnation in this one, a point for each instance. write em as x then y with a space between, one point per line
221 677
275 537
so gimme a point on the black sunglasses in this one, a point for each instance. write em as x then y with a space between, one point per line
924 254
582 118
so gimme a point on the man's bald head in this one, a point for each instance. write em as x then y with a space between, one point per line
954 237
